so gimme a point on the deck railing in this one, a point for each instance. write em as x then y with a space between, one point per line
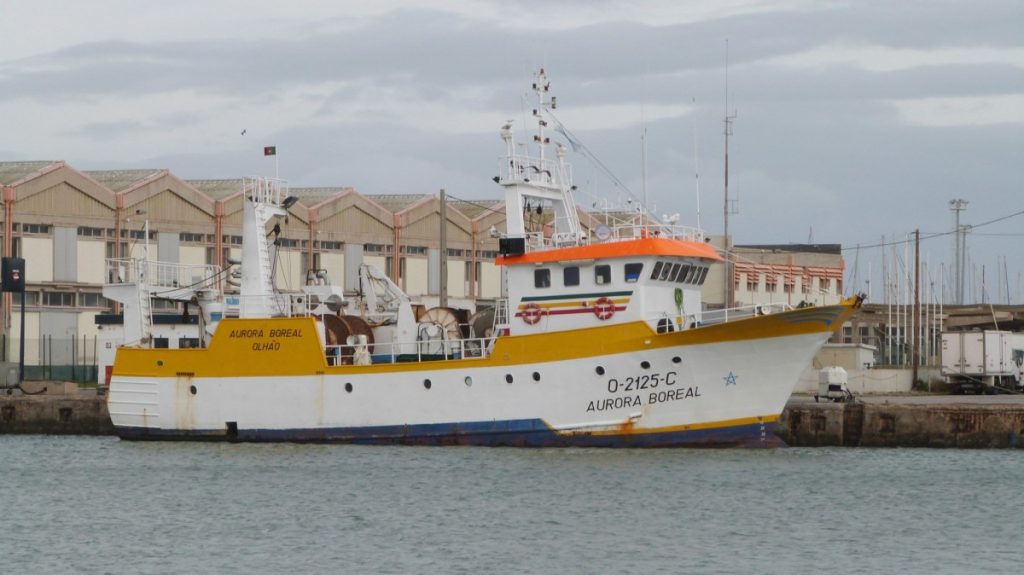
398 352
528 169
163 277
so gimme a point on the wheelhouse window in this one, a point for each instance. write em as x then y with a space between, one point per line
657 270
542 278
666 272
683 271
633 272
602 274
703 275
571 276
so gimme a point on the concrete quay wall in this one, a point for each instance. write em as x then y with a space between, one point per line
871 421
905 421
77 414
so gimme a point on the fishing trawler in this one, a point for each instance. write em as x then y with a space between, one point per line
602 341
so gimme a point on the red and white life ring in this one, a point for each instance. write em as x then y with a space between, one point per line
604 308
531 313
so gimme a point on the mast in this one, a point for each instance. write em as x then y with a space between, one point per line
916 345
696 168
539 180
443 298
958 205
728 208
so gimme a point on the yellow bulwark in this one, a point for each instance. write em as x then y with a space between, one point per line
270 347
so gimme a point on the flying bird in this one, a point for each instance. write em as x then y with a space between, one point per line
243 132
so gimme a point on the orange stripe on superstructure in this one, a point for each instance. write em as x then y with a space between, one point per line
620 249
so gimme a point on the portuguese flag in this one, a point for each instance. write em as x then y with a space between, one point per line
269 150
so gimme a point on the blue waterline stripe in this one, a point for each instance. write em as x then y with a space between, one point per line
519 432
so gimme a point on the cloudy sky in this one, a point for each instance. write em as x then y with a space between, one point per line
855 120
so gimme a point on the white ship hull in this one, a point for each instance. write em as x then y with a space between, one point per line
707 386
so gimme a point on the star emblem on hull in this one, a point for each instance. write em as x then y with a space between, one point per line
731 378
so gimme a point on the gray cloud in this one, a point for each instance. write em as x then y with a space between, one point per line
821 147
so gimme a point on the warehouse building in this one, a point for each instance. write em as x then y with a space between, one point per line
66 223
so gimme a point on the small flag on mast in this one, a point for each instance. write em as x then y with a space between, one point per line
269 150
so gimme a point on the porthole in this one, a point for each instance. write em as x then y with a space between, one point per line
426 383
676 359
348 387
536 376
192 389
645 364
508 378
469 381
599 370
160 362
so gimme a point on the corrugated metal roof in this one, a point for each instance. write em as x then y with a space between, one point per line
310 196
797 248
119 180
474 209
11 172
217 189
397 202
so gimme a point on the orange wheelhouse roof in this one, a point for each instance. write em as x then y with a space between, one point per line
619 249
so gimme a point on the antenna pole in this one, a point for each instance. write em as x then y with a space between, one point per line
643 161
696 167
728 243
442 300
958 205
916 320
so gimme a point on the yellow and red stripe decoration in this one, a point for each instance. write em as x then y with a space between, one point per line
574 303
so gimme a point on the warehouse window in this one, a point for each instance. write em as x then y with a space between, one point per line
33 228
90 232
58 299
92 300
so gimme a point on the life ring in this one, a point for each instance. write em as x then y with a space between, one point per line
604 308
531 313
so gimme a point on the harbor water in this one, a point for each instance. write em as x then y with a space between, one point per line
100 505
